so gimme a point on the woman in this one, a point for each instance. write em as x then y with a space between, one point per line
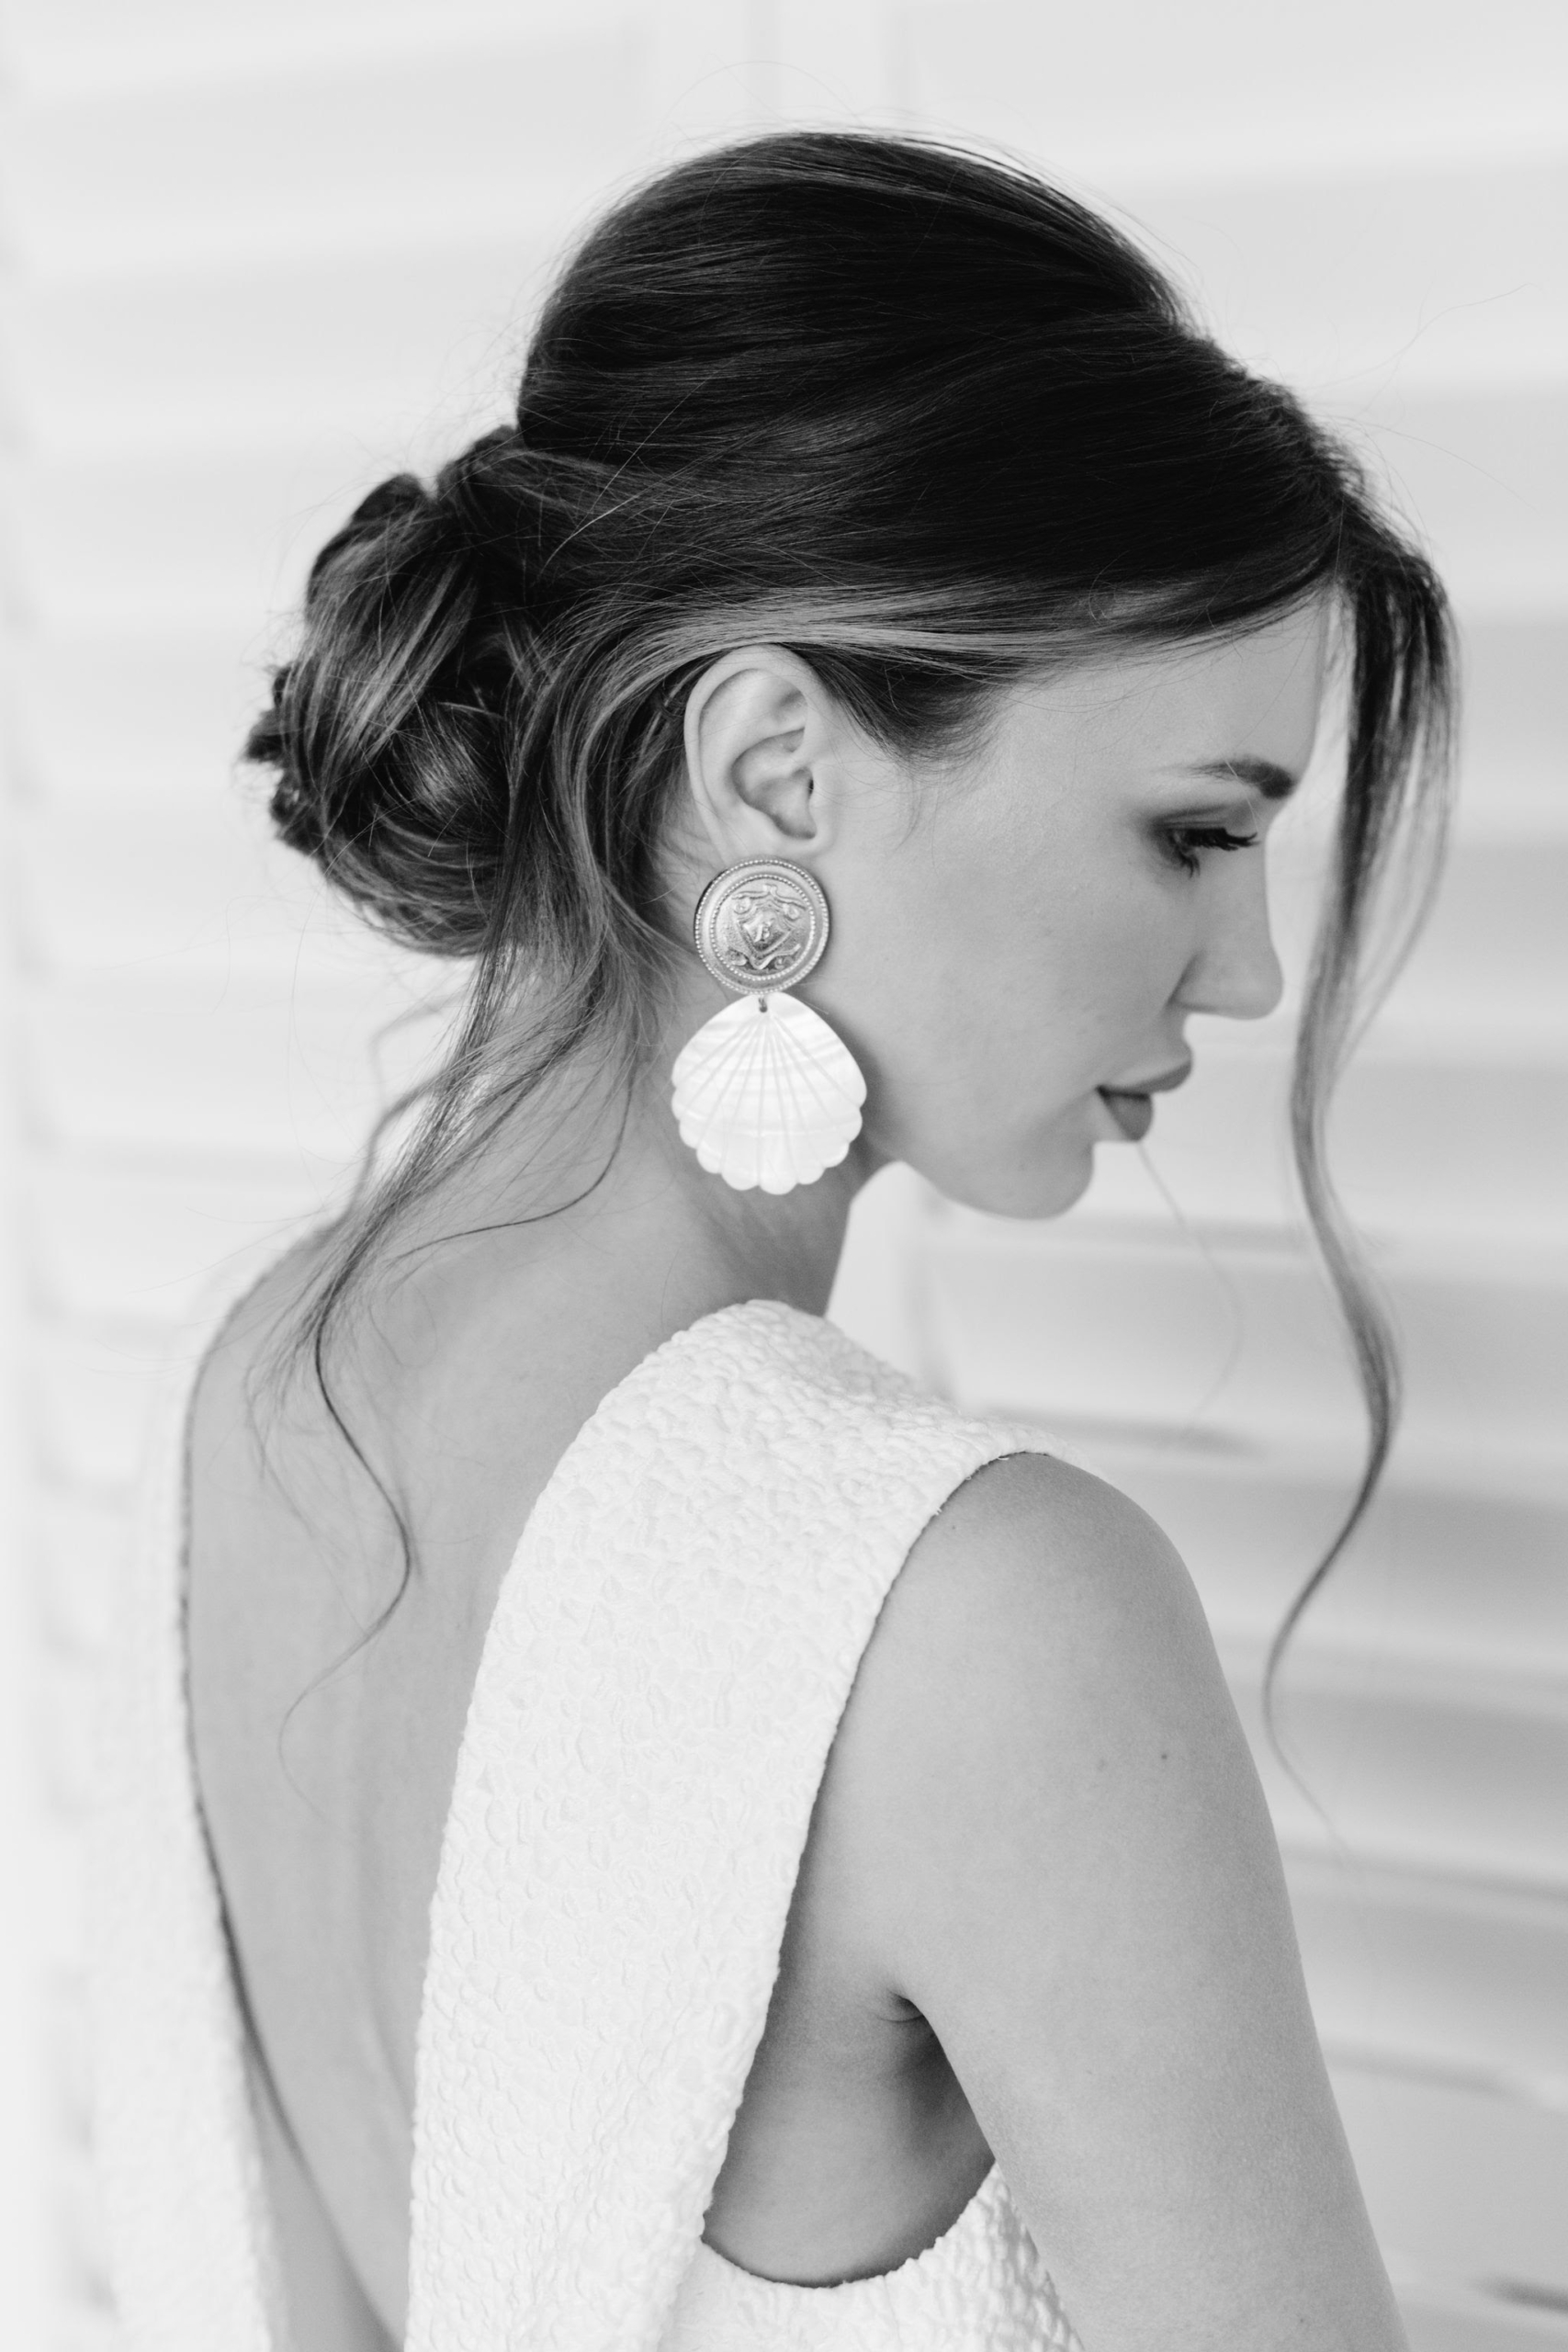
812 1889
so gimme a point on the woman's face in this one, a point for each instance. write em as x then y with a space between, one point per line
1020 934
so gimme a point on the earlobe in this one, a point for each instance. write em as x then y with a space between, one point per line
752 725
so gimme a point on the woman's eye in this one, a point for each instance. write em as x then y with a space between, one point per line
1185 841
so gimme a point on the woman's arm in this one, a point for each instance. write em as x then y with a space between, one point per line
1070 1871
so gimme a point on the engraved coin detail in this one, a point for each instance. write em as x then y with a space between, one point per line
762 925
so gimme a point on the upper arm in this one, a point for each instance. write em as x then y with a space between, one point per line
1070 1871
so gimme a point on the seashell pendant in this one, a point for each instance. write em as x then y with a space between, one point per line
767 1095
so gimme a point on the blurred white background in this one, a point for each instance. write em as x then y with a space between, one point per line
254 257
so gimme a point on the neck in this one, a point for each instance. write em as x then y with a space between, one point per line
614 1185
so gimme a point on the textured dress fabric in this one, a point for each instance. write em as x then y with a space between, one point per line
671 1652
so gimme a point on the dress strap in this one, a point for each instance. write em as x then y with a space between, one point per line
670 1656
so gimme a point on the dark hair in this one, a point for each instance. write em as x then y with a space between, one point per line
907 411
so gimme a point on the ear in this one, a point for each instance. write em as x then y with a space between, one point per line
759 725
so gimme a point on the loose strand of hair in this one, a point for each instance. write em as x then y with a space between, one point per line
1392 829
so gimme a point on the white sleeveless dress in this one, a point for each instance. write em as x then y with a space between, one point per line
670 1651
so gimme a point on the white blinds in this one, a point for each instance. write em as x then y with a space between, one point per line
260 255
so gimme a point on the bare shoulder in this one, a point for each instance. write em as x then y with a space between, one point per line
1044 1604
1062 1856
247 1357
1041 1720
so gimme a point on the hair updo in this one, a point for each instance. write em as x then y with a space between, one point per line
911 413
385 730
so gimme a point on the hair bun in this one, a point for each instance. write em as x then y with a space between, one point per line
383 729
399 499
399 494
296 817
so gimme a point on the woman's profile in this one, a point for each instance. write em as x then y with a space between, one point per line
629 1824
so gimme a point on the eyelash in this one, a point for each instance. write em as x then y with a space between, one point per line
1184 842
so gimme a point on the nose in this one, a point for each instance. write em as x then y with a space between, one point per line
1234 970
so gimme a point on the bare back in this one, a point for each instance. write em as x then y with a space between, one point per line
326 1760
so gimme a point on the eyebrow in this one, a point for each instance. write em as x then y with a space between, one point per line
1266 777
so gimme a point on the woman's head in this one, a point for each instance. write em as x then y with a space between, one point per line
1028 918
949 445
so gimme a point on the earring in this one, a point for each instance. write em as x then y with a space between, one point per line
765 1093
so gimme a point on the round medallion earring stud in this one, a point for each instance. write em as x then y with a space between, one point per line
765 1094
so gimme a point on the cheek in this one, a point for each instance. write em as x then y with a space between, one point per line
989 979
993 1005
1082 971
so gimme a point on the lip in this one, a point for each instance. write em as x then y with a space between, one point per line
1161 1083
1131 1106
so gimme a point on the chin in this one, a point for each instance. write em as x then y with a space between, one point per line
1044 1185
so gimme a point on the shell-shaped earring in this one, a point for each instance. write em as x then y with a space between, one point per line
765 1093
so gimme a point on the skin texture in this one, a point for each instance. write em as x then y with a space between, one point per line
1041 1912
